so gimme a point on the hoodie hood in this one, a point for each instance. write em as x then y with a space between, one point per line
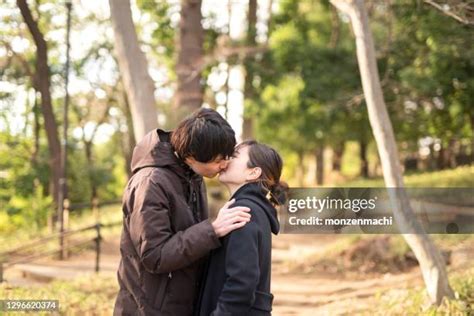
155 150
254 192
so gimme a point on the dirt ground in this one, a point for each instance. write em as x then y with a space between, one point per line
324 293
320 293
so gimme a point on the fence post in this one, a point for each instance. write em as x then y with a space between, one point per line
97 248
95 209
1 271
64 243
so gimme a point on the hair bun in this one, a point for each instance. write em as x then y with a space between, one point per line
279 193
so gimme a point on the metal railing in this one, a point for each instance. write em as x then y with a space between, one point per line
30 252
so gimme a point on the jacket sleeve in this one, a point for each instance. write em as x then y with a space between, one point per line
160 250
242 272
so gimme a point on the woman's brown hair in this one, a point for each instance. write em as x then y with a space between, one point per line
267 159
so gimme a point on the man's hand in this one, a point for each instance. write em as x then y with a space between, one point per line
230 219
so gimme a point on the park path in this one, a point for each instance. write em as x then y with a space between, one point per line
298 293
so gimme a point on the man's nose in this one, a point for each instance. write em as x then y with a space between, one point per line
224 164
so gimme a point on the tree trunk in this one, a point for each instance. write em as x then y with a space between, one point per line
451 153
249 91
472 137
36 132
432 162
227 79
441 158
364 163
43 82
319 155
134 69
300 169
128 143
189 95
227 93
338 152
335 28
90 164
431 263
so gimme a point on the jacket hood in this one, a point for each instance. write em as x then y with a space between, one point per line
155 150
254 192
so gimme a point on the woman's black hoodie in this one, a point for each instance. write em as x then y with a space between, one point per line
237 281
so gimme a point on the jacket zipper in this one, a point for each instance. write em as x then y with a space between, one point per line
162 292
194 205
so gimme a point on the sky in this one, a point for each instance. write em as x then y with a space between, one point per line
82 39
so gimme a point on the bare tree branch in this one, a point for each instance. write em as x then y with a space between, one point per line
461 11
223 53
22 61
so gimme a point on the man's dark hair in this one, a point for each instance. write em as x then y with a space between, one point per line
204 136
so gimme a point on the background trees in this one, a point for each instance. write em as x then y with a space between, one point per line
133 67
298 71
431 262
284 72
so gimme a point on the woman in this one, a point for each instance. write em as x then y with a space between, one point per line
237 281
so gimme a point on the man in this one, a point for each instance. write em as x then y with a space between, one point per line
166 234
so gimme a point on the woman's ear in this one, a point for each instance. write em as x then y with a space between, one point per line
254 174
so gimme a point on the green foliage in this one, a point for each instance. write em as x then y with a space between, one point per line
425 65
312 80
163 35
24 194
25 175
23 186
27 212
110 174
415 301
462 177
282 105
306 91
432 68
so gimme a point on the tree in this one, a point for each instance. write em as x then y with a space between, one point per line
90 115
133 69
430 83
431 263
249 91
303 45
42 82
189 94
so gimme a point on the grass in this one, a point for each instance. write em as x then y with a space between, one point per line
415 301
434 187
92 294
88 295
460 177
392 259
